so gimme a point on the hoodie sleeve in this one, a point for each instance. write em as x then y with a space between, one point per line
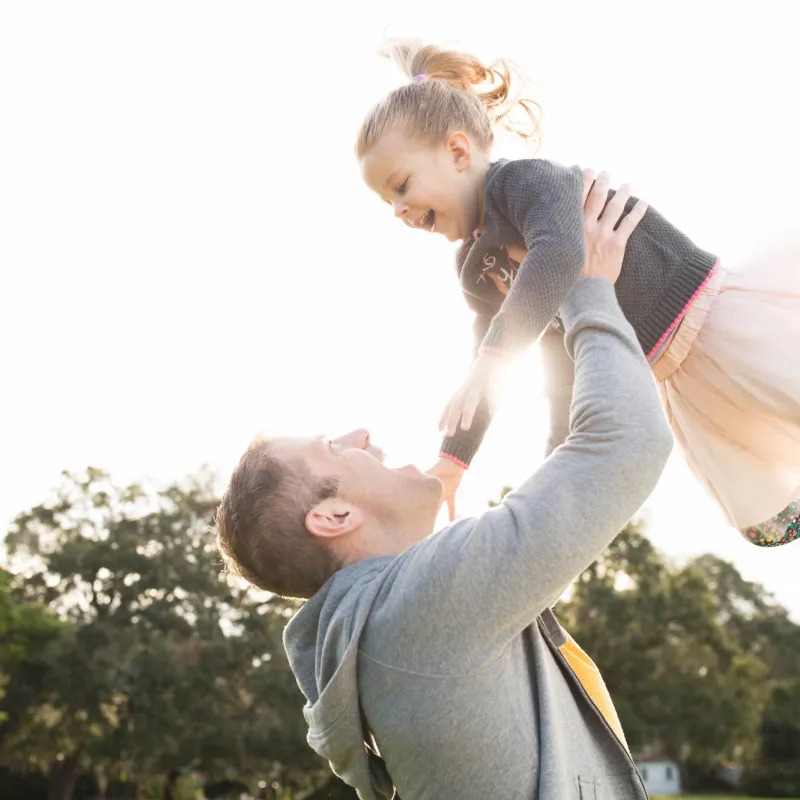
474 586
558 376
542 201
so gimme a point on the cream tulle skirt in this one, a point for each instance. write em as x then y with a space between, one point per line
730 383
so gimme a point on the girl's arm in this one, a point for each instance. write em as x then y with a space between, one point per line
558 373
543 202
461 447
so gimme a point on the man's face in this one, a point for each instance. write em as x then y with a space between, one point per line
400 502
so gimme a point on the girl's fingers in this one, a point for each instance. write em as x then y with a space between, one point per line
449 410
444 417
469 411
454 417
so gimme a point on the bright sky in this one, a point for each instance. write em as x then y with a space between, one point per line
188 255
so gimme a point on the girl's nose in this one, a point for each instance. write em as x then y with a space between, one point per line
400 209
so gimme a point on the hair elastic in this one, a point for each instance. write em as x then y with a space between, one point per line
420 79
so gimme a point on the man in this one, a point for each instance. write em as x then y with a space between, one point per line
433 665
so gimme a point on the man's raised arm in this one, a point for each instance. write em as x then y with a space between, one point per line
496 573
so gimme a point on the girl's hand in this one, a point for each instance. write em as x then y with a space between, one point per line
605 246
450 474
464 402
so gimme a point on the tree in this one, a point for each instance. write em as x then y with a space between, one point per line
169 664
680 679
27 634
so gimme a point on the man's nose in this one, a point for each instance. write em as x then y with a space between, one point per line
359 439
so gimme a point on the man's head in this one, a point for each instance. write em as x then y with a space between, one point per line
299 509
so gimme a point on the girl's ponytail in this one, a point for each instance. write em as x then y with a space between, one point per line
439 76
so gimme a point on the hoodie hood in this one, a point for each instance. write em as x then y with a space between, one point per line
322 642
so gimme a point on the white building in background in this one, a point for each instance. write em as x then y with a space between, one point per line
660 777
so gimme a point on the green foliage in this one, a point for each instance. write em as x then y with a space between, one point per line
334 789
165 662
27 634
780 728
774 780
126 653
690 654
24 627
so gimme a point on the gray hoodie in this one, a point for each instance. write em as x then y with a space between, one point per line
441 667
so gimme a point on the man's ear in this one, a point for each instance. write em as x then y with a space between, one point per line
333 517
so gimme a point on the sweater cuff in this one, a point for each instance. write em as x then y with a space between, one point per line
454 460
485 350
462 447
496 340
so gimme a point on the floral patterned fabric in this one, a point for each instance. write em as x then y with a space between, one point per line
781 529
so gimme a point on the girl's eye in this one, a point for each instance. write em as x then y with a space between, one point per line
401 189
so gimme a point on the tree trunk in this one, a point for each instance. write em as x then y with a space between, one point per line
63 775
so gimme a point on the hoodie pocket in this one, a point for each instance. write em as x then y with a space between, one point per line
622 786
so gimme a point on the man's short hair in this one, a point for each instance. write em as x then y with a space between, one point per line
260 524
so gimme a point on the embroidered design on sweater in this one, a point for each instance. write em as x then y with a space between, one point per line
502 276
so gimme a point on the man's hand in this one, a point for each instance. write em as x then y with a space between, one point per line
605 247
450 474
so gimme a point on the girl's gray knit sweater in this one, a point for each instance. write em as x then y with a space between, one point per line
538 205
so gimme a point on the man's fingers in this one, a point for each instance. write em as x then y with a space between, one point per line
627 226
596 200
616 206
588 179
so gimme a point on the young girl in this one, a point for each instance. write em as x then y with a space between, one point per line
722 341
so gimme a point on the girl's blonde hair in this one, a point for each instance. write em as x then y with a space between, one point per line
451 91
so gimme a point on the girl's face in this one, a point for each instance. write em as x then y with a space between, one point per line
435 187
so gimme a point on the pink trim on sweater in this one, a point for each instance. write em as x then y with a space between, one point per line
682 314
454 459
493 351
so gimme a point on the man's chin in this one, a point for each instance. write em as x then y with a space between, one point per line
410 470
